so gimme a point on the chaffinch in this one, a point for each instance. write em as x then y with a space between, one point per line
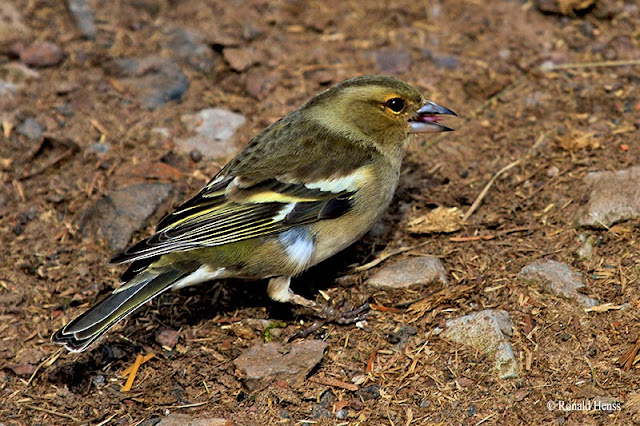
303 189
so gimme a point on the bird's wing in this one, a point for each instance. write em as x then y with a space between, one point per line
230 209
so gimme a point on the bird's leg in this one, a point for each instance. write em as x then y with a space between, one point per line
278 289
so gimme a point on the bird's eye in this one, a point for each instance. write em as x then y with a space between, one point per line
395 104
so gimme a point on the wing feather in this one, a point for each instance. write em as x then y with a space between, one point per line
229 210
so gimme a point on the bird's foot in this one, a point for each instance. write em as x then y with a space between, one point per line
326 314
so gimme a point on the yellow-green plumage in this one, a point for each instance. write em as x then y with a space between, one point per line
303 189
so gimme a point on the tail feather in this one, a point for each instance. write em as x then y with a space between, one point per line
88 327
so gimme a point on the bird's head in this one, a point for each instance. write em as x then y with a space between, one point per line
377 109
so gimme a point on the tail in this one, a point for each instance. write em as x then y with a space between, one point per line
88 327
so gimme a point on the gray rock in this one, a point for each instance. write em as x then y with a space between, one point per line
615 197
30 129
264 363
7 89
155 81
393 61
82 15
214 128
190 47
118 214
559 278
485 331
409 272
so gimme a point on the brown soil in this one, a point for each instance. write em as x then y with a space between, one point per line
481 59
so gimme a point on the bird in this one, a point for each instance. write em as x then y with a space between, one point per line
303 189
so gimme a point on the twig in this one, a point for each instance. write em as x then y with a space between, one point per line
48 164
55 413
145 358
483 193
626 359
49 361
132 374
333 382
596 64
384 256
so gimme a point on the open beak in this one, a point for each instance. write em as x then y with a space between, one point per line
427 119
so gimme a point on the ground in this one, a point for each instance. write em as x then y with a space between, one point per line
540 83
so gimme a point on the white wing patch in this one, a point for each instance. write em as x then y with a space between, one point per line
200 275
284 212
298 245
349 183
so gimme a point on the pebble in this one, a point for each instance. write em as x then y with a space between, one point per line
117 215
367 393
42 54
23 370
259 84
168 338
154 81
214 128
189 46
401 335
264 363
559 278
413 271
82 15
7 88
614 197
342 414
241 59
393 61
485 331
31 129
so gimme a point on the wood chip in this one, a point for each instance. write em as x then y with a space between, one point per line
333 382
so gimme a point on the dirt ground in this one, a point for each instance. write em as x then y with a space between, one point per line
532 81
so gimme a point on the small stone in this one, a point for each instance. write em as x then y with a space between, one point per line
393 61
240 58
189 46
369 392
82 14
42 54
319 412
446 62
168 338
7 89
409 272
259 85
98 380
31 129
615 197
118 214
559 278
485 331
400 337
342 414
155 81
264 363
214 128
176 419
24 370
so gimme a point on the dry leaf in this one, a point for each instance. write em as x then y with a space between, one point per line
440 219
577 140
